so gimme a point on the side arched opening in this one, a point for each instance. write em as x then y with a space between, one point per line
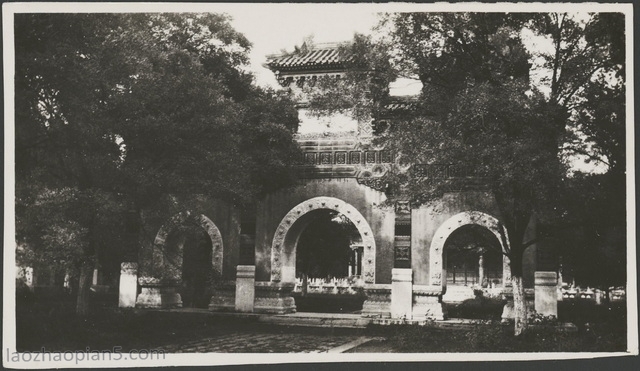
187 261
467 237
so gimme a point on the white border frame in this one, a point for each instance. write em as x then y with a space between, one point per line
9 9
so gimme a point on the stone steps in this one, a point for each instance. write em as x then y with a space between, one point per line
317 320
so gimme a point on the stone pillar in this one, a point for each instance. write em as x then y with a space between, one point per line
546 293
94 282
481 270
560 298
128 285
401 294
427 303
598 296
245 287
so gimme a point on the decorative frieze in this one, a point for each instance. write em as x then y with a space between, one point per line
402 207
403 253
353 158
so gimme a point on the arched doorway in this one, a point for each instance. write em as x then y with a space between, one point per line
468 264
195 268
329 265
190 247
346 268
472 264
473 258
437 268
289 231
329 247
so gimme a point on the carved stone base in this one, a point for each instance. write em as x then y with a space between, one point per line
427 303
507 311
274 298
224 297
158 296
378 302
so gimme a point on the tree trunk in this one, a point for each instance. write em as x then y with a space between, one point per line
519 305
84 286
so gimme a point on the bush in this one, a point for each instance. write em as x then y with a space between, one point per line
478 308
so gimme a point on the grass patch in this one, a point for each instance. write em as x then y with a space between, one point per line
497 338
329 303
479 307
599 329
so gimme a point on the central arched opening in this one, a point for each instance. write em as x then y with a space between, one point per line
329 253
473 269
194 265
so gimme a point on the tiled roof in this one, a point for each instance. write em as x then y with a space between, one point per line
315 59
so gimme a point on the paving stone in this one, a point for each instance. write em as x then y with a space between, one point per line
281 341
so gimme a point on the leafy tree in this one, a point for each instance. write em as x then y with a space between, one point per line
594 231
589 83
114 110
478 111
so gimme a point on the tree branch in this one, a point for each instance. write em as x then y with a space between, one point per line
585 153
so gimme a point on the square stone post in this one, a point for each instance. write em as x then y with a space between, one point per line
245 287
546 293
128 285
401 292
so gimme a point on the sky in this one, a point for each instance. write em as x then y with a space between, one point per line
275 27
